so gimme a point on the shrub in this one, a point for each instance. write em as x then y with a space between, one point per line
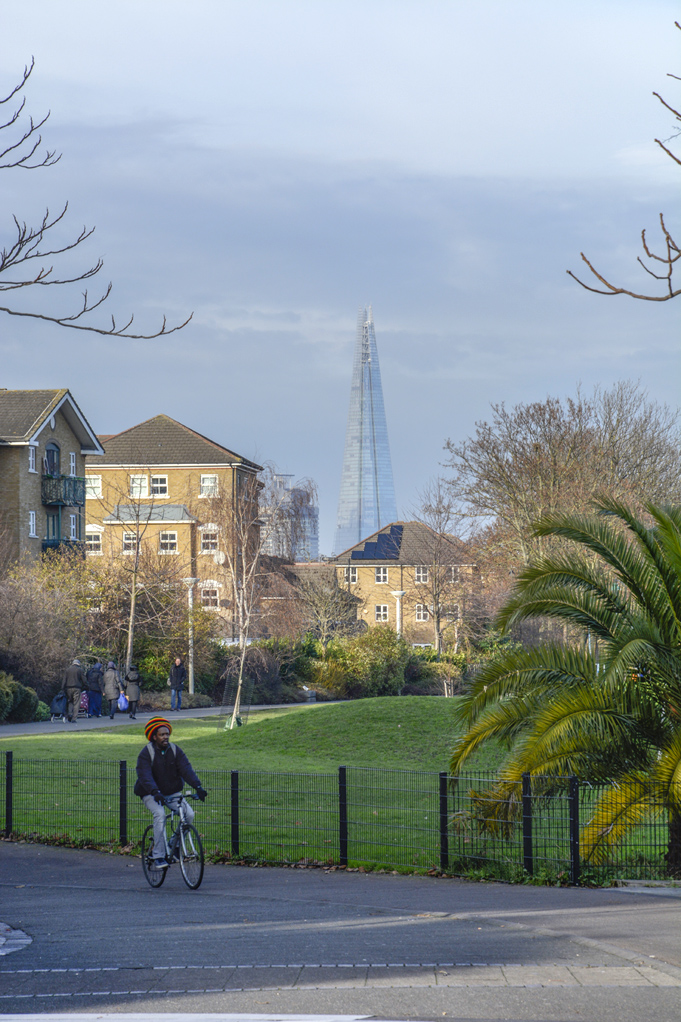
372 664
18 704
160 700
42 711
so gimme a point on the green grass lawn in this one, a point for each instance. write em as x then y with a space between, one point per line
409 733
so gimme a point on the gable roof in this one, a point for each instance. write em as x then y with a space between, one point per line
402 543
23 414
164 441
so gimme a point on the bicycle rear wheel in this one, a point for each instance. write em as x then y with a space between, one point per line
152 874
191 856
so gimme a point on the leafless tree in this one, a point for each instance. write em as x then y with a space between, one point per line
662 265
28 260
328 609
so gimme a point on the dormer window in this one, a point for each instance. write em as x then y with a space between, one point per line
52 459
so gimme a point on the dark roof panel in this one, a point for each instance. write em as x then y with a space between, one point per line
22 411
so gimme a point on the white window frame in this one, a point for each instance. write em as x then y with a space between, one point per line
72 464
93 487
159 483
351 574
31 459
171 544
421 613
421 574
139 486
73 527
207 489
32 525
381 576
209 530
454 573
92 534
131 543
381 612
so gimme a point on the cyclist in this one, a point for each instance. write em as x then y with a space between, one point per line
162 771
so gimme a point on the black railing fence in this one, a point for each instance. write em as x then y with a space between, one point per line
371 817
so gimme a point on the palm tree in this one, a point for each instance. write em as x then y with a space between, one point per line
607 710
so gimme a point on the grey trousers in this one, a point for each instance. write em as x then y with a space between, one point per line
159 814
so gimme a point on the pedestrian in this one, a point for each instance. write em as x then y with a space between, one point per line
95 680
162 771
73 684
132 690
112 687
176 680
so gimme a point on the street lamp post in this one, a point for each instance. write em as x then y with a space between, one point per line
190 583
398 594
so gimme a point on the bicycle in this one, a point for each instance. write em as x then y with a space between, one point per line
183 845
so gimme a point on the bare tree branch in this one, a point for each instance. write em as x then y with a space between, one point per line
22 153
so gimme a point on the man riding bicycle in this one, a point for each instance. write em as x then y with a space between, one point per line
162 771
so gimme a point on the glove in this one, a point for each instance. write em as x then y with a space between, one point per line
202 793
158 797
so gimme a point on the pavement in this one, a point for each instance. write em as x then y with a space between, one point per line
47 727
85 936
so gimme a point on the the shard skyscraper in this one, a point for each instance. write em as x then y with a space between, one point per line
367 493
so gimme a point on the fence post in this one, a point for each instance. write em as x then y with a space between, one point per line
343 814
573 801
8 792
528 858
123 802
444 819
234 813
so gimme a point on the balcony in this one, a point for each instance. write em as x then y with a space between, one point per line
64 491
53 543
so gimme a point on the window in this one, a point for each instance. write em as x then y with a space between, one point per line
209 539
93 486
167 542
73 526
209 486
381 611
381 575
52 460
420 573
422 612
138 486
93 542
351 575
451 611
454 573
31 459
209 598
31 522
159 486
72 463
130 543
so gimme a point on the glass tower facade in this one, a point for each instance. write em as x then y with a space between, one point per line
367 493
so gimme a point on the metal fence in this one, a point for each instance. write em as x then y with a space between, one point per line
396 819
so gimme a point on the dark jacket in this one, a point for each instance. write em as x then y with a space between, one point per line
168 773
132 685
177 676
73 677
95 678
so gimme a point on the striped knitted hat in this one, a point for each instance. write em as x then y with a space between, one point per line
154 724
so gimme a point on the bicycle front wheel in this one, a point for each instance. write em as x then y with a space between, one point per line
191 856
152 874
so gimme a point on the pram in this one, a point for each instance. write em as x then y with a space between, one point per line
58 706
84 707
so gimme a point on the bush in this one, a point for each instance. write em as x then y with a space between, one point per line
160 700
42 711
372 664
18 704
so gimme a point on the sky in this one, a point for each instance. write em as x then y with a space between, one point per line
271 165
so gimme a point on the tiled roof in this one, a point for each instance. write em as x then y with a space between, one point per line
22 411
403 543
163 441
150 513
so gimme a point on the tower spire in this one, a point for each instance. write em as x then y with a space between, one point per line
367 493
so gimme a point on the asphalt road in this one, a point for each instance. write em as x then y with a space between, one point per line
260 940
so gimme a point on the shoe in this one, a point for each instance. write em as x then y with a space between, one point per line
161 863
111 716
133 718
